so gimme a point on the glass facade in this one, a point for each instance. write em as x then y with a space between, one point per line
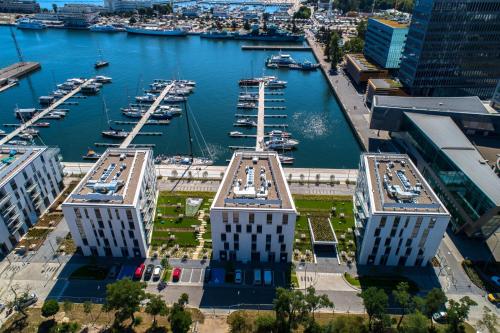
472 210
384 42
452 48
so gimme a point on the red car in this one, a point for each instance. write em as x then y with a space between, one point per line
176 275
138 272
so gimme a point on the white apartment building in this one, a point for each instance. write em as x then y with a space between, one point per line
30 180
253 214
111 211
399 219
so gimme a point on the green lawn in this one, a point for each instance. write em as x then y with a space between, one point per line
184 239
388 283
185 222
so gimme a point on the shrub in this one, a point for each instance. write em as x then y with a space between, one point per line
265 324
50 308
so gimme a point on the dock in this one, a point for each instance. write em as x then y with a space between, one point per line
134 132
150 133
149 122
275 47
259 141
116 145
265 116
43 113
241 147
19 69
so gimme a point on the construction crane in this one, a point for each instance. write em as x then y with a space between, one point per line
18 49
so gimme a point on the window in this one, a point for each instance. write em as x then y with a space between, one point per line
432 223
226 246
269 218
224 217
131 225
268 247
281 238
129 214
383 220
238 228
249 228
259 229
377 241
268 238
377 232
387 241
408 242
285 218
236 246
254 247
236 237
236 218
130 234
251 218
279 229
101 225
77 213
283 247
223 237
396 222
254 238
228 228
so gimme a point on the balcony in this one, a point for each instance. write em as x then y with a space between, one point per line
9 209
31 187
4 199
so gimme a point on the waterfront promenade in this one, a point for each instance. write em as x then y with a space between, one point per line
351 102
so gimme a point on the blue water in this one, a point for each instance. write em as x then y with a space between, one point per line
314 116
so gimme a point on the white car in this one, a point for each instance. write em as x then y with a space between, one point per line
157 272
238 276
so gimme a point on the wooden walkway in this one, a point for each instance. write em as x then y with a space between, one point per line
259 141
42 114
145 117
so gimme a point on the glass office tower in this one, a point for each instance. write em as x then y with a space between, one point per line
384 42
452 48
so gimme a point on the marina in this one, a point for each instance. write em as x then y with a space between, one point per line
275 48
314 116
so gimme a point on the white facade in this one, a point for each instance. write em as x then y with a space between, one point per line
30 180
399 219
253 214
114 216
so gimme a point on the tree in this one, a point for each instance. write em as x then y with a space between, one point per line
238 323
375 301
54 7
183 300
67 306
50 308
290 309
132 21
87 309
402 298
361 29
415 322
246 25
315 302
155 307
433 302
354 45
71 327
304 12
180 319
124 296
489 321
335 52
265 324
457 313
346 324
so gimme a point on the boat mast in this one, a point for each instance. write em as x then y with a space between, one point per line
189 132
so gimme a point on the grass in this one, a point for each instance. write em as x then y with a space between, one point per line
352 280
185 222
90 272
388 283
183 239
321 229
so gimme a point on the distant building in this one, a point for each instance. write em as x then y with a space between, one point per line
19 6
399 219
361 70
384 42
253 215
127 5
452 48
433 132
30 180
73 15
495 99
386 87
111 211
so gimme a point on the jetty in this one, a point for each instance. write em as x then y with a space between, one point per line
265 116
135 131
275 47
15 71
43 113
259 141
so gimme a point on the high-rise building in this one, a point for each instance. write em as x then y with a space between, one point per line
253 214
111 211
384 42
31 178
399 219
452 48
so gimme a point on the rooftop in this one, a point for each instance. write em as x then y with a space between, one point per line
254 179
445 134
13 159
397 185
470 104
385 83
362 63
114 178
392 24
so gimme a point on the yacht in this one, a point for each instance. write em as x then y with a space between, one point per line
42 124
280 60
100 64
174 99
279 133
235 133
115 133
175 111
133 114
147 98
91 155
156 31
281 143
105 28
102 79
27 23
248 98
90 89
25 136
161 115
246 105
246 122
276 84
286 159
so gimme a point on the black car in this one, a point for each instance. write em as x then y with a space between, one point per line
208 275
149 272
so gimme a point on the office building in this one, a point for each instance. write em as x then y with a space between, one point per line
437 134
30 180
452 48
111 211
399 219
385 87
361 70
19 6
384 42
253 215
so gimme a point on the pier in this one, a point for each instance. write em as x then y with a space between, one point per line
259 141
15 71
265 116
275 47
135 131
43 113
116 145
149 122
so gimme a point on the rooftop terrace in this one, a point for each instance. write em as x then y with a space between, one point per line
13 159
392 24
254 179
397 185
114 178
362 63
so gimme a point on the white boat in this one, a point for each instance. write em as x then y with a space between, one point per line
25 136
174 99
286 159
246 122
280 60
246 105
279 133
281 143
27 23
105 28
103 79
147 98
235 133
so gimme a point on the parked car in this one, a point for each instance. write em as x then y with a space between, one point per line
139 271
439 317
148 272
208 275
257 276
496 280
29 300
157 272
176 275
238 276
494 298
268 277
162 285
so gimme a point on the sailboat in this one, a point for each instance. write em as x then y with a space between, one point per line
91 155
101 62
112 132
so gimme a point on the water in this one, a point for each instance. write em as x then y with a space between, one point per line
314 116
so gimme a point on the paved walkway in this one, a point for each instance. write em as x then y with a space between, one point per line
351 102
